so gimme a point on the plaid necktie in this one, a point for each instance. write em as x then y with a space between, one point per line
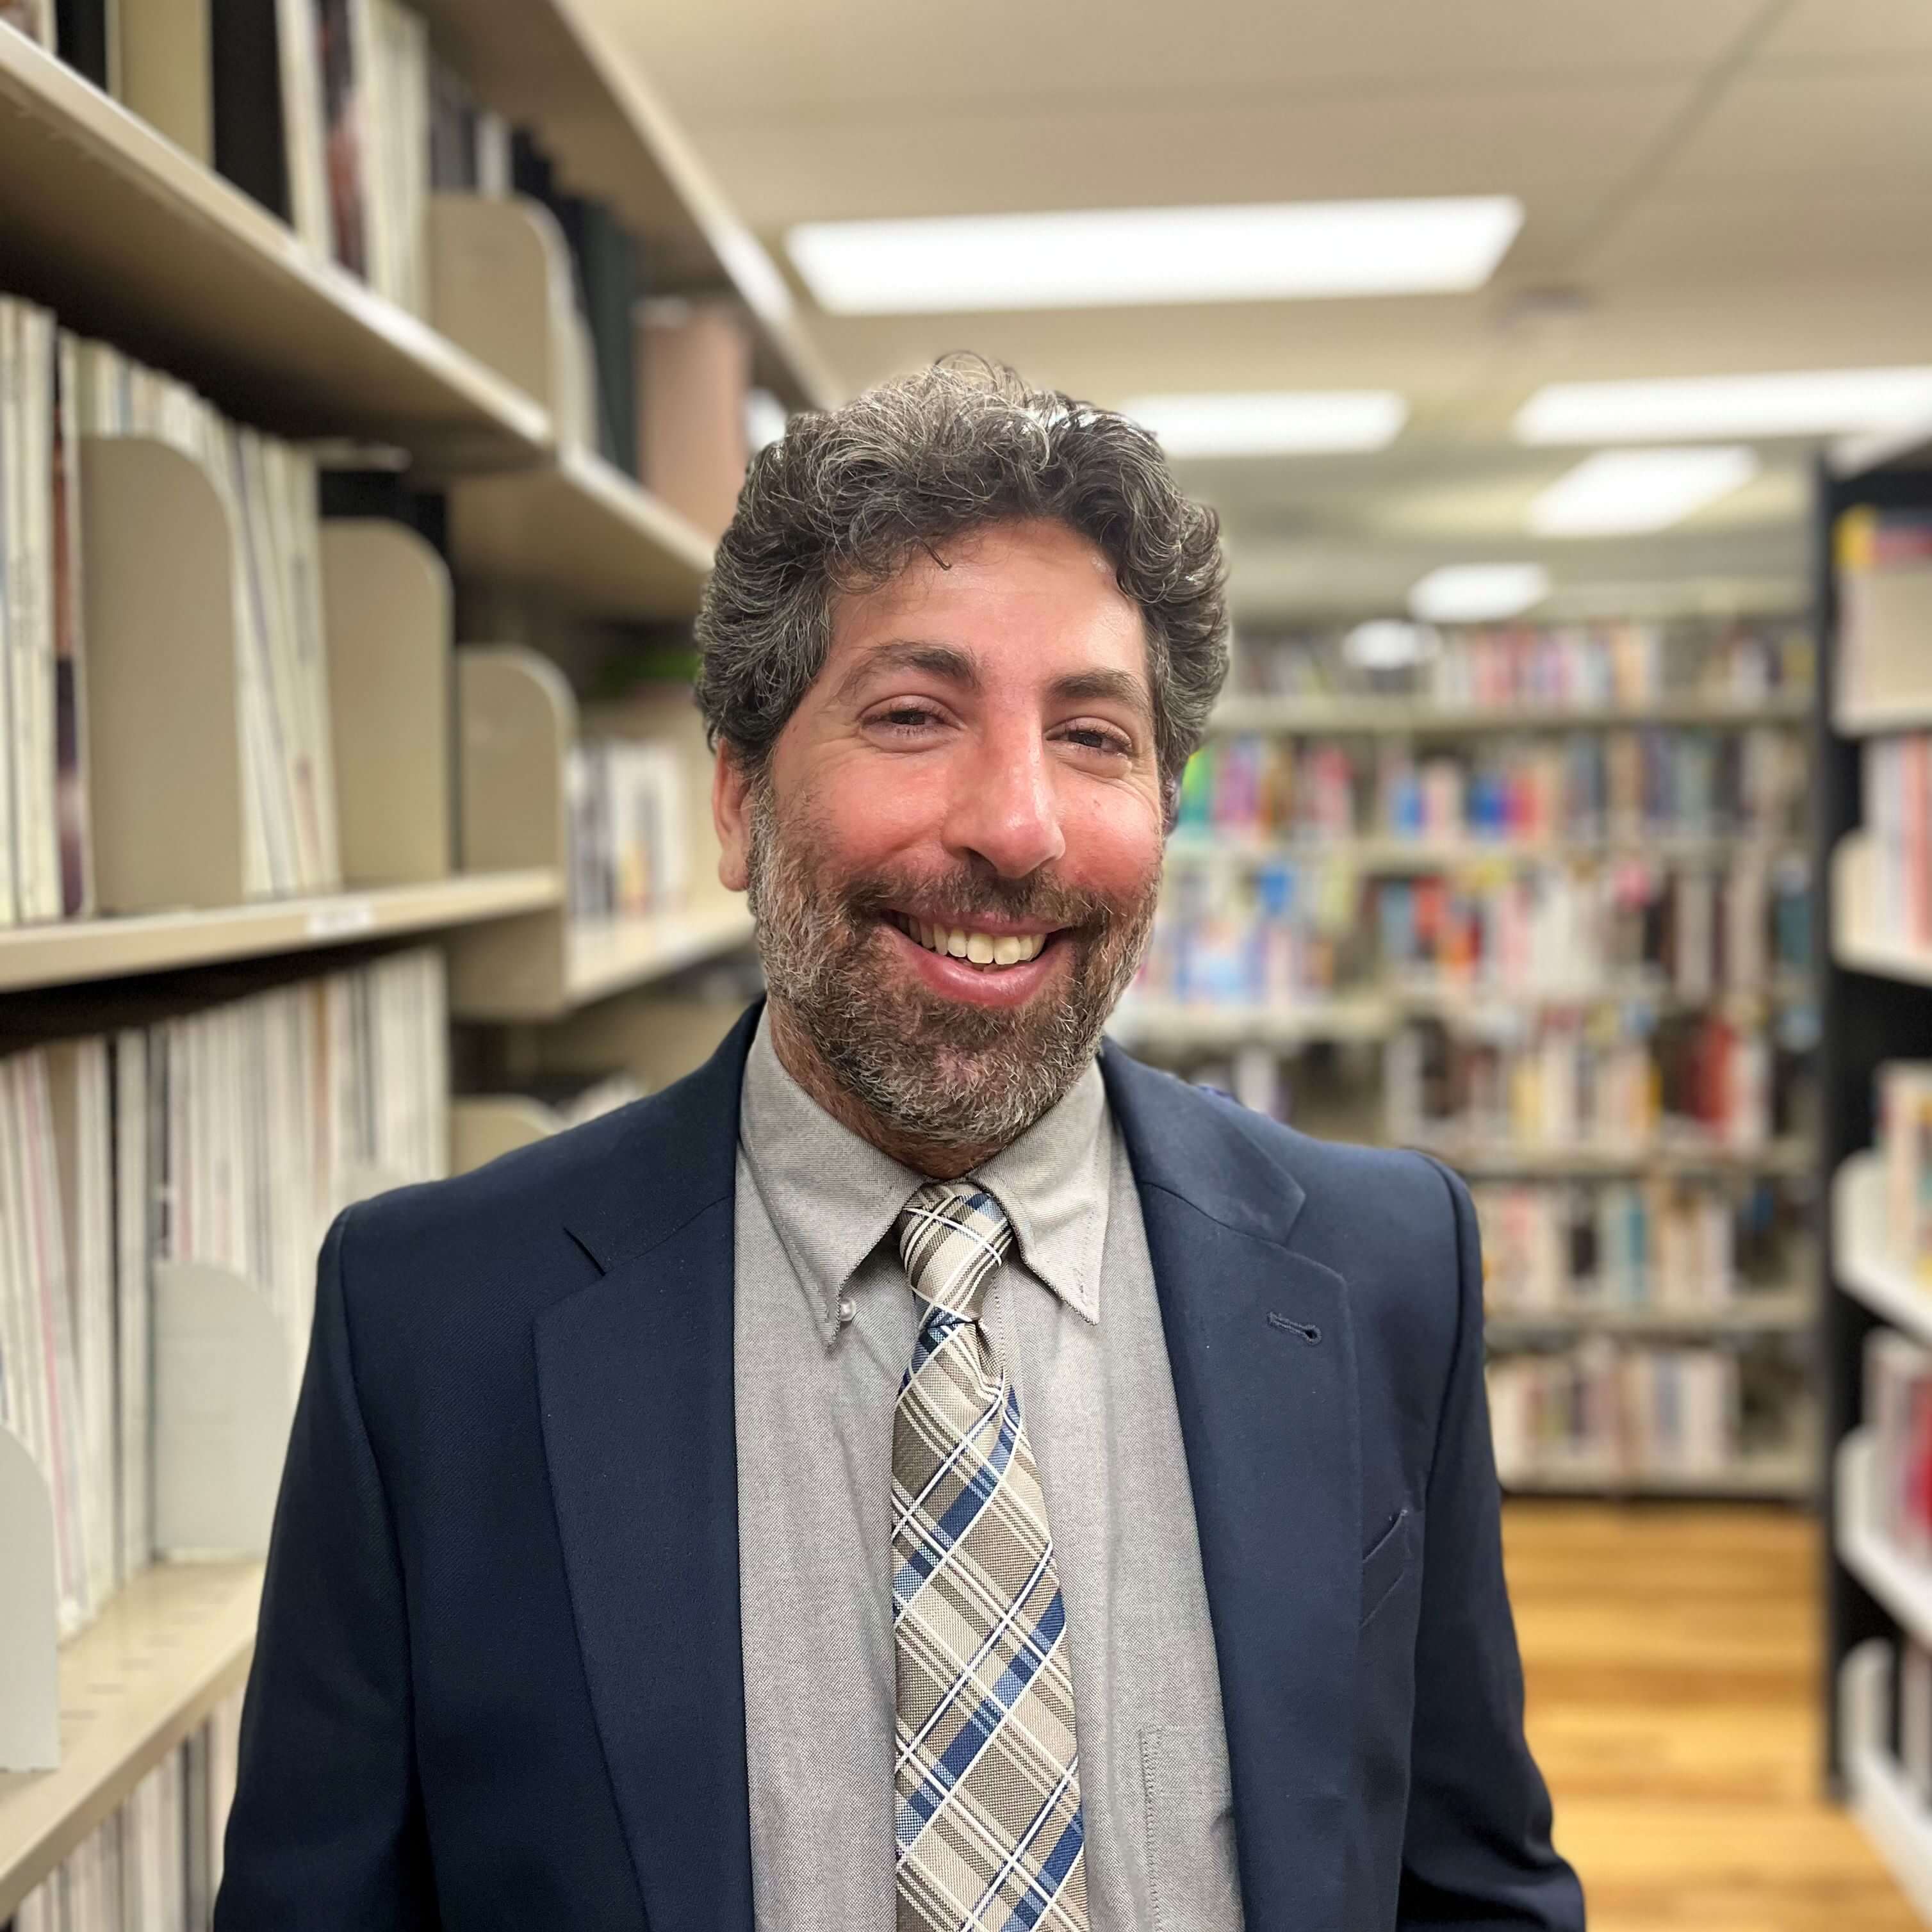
987 1776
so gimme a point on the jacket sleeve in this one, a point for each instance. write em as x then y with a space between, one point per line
1476 1852
327 1829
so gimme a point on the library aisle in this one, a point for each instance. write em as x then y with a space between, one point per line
1671 1662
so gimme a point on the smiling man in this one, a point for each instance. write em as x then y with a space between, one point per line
923 1472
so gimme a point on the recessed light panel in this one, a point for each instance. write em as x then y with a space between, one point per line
1305 422
1821 402
1477 593
1619 491
1279 251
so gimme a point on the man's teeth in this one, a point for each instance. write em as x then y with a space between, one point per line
981 949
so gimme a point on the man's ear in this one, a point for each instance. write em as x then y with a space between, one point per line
731 814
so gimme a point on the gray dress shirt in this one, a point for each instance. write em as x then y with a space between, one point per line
823 1330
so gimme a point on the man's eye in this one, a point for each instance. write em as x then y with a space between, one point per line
1091 738
906 718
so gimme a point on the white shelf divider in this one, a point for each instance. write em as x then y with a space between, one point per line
1860 1261
224 1399
1893 1817
29 1631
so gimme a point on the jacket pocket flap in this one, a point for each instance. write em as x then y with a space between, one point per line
1388 1563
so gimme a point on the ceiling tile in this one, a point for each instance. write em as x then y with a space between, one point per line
746 53
1871 124
1563 143
1832 29
1762 238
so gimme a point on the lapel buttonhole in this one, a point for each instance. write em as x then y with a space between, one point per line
1311 1335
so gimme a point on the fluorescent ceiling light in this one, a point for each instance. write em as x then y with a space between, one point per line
1471 593
1284 423
1822 402
1283 251
1618 490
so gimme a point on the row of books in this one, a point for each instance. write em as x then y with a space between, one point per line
1497 667
44 868
1602 1409
1904 1124
1285 931
232 1136
1627 783
153 1864
1614 1079
629 842
1677 1244
1884 583
1897 779
1898 1418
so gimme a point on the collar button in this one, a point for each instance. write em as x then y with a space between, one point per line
846 1310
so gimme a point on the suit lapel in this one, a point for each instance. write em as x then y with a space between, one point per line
1260 1349
634 1374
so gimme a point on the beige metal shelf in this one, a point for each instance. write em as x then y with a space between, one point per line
1781 1157
1382 852
164 1652
126 236
552 65
102 949
1789 1311
1779 1476
611 956
582 532
1315 714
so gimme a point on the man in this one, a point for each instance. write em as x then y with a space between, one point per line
913 1473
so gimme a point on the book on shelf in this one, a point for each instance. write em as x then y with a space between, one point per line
1609 1411
34 18
269 489
155 1861
321 111
1914 1719
1884 571
1898 1418
470 146
1896 787
1614 1080
1624 665
1635 1247
1631 783
1281 931
232 1136
1904 1107
629 843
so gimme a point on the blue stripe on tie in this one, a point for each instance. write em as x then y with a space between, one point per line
959 1518
1045 1886
977 1729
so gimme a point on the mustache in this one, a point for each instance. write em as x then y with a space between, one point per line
957 895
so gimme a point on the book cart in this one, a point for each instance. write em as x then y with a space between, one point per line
450 748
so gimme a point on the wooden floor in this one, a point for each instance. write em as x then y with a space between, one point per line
1671 1656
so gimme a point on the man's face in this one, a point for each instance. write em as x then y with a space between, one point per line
973 772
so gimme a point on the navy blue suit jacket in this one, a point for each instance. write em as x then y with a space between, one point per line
499 1684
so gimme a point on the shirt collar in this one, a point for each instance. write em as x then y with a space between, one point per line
833 1197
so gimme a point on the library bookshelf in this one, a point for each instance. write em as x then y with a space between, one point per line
444 835
1875 689
1349 1027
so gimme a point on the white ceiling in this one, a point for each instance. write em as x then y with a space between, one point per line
1711 185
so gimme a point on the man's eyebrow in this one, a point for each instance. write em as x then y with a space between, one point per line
942 661
1121 686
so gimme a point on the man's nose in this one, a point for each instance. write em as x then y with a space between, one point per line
1004 809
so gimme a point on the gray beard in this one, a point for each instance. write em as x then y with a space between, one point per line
946 1076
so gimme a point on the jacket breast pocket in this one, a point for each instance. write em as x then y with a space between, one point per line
1193 1884
1387 1566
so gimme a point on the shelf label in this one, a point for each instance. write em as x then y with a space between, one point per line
344 917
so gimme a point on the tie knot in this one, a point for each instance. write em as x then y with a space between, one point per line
953 1236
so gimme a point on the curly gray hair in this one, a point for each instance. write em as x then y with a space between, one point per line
847 495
